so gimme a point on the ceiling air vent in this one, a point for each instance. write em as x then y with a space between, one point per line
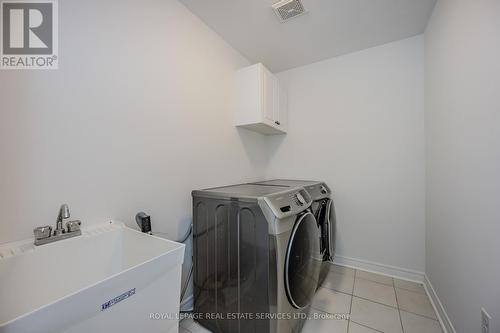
286 9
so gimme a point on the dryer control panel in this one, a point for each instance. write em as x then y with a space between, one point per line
288 203
319 191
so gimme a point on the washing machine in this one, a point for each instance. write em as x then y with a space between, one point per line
256 258
323 209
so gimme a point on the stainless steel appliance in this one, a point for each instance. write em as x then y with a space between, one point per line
256 254
323 209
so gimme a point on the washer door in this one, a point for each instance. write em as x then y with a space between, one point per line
303 262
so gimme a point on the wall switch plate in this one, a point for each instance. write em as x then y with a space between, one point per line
485 321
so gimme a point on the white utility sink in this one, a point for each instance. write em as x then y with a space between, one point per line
110 279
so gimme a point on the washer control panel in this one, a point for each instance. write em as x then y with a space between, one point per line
298 199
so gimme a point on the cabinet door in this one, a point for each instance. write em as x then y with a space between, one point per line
281 117
270 100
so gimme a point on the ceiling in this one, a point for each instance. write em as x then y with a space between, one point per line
330 28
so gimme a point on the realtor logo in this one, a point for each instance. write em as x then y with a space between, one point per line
29 35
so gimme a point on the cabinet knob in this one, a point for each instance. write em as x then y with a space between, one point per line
277 122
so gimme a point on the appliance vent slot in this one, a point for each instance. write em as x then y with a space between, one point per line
287 9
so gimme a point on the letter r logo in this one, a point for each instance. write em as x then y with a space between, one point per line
27 27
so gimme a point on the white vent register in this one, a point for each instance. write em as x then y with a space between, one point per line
287 9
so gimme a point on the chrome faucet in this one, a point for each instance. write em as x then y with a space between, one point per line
44 235
63 214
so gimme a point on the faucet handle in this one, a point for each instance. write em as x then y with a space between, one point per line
42 232
73 226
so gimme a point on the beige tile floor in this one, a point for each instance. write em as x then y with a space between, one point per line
376 303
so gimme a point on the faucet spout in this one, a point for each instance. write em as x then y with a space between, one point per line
63 214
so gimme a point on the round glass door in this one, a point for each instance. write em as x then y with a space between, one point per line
322 219
332 224
303 262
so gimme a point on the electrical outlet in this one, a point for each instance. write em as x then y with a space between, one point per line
485 321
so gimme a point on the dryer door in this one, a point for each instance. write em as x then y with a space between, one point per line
303 261
325 216
332 225
322 219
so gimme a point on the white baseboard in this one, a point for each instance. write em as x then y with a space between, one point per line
375 267
438 307
188 303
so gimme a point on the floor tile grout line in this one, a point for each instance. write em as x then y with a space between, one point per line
352 296
418 314
411 291
370 300
390 306
350 306
381 284
376 274
364 325
384 284
366 299
337 291
344 292
399 310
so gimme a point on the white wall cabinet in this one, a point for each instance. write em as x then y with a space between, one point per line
260 101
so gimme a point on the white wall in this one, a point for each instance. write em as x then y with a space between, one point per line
357 122
463 159
136 117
